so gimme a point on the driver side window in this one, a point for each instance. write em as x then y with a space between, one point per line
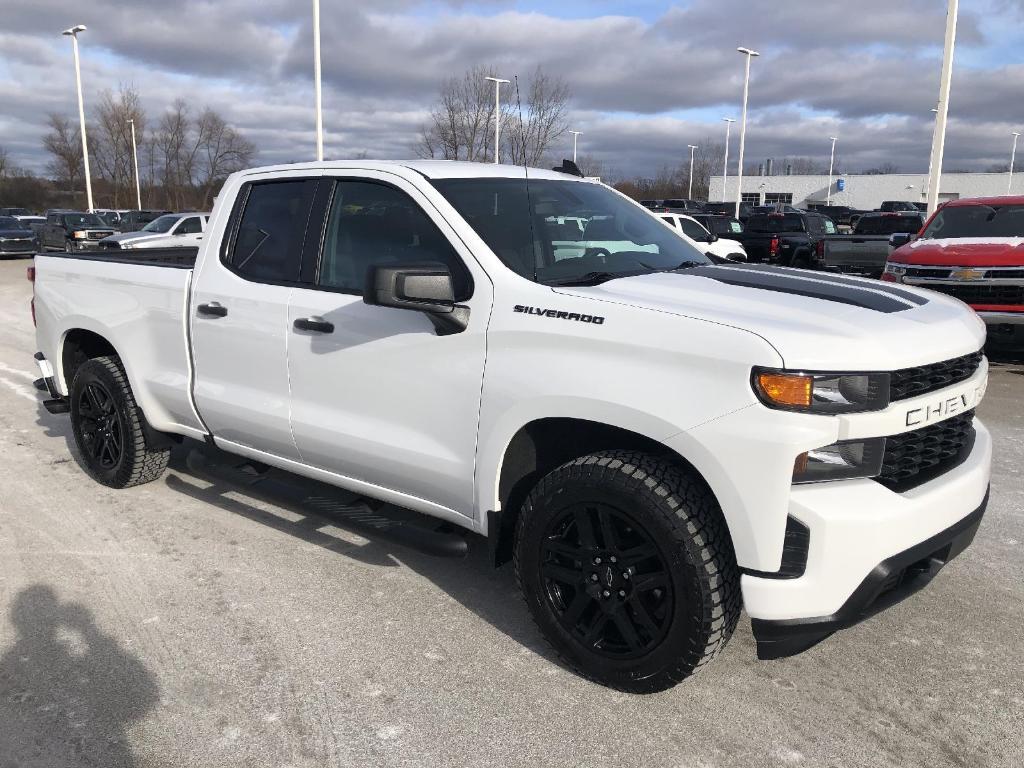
373 224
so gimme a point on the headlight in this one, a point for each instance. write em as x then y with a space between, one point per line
78 235
845 460
126 245
895 273
822 392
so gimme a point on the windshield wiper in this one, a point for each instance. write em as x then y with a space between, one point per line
589 278
687 265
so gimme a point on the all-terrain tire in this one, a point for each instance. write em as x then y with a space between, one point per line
117 447
649 499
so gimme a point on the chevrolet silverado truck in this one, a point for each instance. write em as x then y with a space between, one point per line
971 249
865 251
654 440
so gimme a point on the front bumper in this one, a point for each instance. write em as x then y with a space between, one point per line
889 582
861 534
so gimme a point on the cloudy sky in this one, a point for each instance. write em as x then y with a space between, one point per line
647 78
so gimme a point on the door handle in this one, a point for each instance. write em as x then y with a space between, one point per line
213 309
314 324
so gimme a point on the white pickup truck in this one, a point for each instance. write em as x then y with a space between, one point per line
655 439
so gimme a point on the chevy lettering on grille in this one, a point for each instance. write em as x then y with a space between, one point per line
943 407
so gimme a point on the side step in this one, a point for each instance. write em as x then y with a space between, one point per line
368 517
57 405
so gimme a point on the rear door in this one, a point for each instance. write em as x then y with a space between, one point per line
377 395
239 315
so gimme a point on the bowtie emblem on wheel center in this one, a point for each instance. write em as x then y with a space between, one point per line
609 576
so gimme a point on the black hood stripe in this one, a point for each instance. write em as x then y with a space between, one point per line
767 278
830 277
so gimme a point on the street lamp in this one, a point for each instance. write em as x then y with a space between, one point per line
693 148
575 135
1013 158
135 157
497 116
725 165
749 54
831 164
316 80
939 137
73 34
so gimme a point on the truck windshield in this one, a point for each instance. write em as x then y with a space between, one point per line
976 221
161 225
82 220
567 231
887 225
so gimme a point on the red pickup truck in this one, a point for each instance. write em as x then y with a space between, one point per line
972 249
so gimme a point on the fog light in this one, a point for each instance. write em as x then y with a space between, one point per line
845 460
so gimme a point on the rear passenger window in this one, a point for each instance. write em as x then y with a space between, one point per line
374 224
268 244
189 226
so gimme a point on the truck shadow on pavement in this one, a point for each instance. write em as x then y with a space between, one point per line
393 537
68 692
489 593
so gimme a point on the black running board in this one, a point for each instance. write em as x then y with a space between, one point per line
373 519
57 405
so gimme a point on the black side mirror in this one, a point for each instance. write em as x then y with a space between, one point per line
900 239
424 288
712 238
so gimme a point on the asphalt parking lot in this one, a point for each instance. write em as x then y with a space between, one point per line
190 623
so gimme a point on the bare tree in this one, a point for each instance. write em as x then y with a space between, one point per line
545 120
221 151
112 142
461 125
64 143
5 164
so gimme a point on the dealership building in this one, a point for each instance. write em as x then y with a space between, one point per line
862 191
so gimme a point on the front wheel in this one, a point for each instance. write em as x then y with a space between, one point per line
68 247
116 447
628 569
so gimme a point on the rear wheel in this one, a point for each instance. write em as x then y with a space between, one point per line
116 447
628 570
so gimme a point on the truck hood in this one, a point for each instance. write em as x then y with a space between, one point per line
815 320
963 252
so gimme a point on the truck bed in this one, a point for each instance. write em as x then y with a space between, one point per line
138 302
176 258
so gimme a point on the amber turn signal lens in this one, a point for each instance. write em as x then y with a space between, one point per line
786 389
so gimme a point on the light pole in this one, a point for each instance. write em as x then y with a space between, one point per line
575 135
316 79
939 137
693 148
497 116
135 158
725 165
1013 158
749 54
831 165
73 34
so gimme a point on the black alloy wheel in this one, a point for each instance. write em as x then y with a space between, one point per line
607 581
102 430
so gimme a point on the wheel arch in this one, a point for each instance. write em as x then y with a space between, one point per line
76 347
543 444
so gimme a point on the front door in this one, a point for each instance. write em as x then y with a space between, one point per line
239 317
377 395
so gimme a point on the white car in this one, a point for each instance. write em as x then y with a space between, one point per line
660 440
169 230
707 241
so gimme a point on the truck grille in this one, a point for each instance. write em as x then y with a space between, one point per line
17 244
914 457
922 379
97 235
981 293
